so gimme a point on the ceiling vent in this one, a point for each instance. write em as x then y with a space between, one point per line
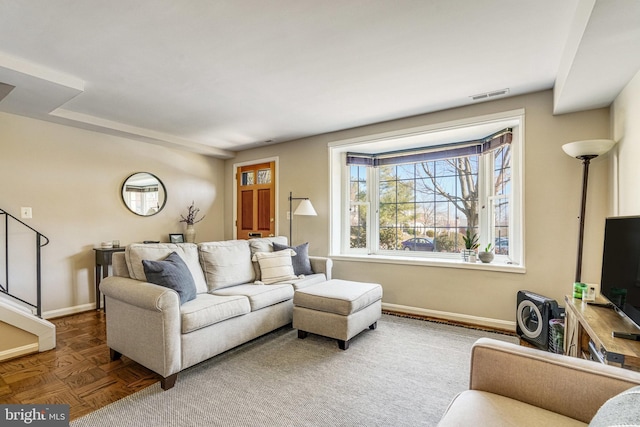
5 89
489 95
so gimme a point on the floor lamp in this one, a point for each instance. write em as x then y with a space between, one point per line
585 151
304 208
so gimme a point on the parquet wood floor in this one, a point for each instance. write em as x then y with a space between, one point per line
77 372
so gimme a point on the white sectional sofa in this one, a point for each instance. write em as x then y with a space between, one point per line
243 290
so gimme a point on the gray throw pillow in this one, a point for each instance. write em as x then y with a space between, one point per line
171 273
620 410
301 263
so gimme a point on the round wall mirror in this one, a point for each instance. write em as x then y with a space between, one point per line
144 194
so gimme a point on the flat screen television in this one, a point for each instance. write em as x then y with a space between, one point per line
620 282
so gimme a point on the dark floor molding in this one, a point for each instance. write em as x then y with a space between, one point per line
448 322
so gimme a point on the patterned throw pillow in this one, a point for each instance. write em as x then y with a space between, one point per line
301 262
275 266
171 273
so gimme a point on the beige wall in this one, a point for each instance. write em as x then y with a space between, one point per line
626 131
72 179
552 204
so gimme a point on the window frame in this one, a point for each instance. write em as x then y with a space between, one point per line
340 195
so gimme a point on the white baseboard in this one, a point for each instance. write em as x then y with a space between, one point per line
67 311
454 317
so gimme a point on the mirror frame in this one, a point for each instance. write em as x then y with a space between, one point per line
160 183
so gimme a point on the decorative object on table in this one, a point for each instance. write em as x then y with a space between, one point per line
585 151
471 244
589 294
116 243
176 238
106 245
190 220
304 208
486 256
578 289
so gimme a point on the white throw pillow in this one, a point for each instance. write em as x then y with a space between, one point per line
264 244
275 266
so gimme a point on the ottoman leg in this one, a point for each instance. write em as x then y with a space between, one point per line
373 325
344 345
302 334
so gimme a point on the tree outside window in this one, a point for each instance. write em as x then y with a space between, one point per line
438 200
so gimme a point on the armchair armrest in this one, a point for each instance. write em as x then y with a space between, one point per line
566 385
321 265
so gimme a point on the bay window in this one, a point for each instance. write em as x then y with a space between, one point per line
420 201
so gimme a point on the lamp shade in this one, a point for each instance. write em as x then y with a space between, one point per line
305 208
590 147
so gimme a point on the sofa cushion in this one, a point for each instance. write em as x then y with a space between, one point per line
264 244
480 408
275 266
301 283
171 273
621 410
260 296
301 263
208 309
136 252
226 263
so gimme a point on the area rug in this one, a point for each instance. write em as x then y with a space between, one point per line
404 373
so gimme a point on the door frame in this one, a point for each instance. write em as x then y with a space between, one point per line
276 171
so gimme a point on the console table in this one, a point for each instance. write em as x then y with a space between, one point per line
103 261
588 334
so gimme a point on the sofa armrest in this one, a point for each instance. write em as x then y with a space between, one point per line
144 323
566 385
140 294
321 265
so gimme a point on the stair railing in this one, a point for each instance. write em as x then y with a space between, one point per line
41 241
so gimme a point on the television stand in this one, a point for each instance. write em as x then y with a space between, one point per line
588 334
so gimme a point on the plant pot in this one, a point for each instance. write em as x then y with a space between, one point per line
467 255
486 257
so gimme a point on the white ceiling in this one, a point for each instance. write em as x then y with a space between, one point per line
216 77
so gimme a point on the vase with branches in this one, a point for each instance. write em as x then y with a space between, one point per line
190 220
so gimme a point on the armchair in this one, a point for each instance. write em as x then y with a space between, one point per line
511 385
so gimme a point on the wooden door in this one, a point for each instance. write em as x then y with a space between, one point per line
256 201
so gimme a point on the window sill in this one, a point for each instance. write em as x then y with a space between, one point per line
444 263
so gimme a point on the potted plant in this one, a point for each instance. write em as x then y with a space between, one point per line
486 256
190 219
470 244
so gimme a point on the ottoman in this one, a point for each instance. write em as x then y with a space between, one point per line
338 309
